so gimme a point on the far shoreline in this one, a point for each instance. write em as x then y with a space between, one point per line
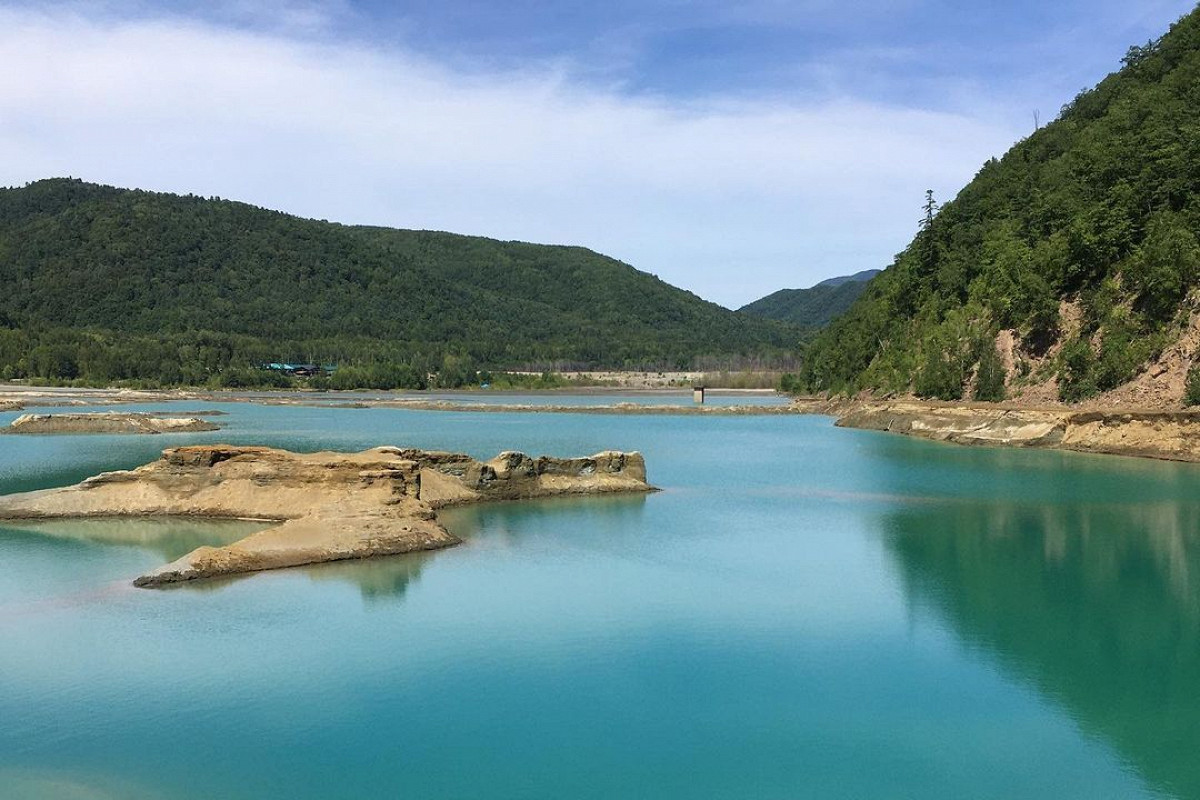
49 396
1171 434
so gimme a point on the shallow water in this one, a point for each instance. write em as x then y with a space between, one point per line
803 611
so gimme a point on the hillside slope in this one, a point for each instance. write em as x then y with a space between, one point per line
814 307
1064 269
859 277
89 268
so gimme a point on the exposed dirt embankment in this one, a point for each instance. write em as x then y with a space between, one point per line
1173 435
330 506
109 422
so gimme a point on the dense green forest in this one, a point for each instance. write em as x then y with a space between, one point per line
106 285
814 307
1100 208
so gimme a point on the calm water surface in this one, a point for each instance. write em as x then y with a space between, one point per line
802 612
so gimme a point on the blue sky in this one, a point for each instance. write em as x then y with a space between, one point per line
731 148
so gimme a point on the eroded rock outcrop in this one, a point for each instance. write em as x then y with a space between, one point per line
330 506
108 422
962 425
1173 435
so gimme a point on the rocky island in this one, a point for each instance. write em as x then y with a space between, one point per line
108 422
329 506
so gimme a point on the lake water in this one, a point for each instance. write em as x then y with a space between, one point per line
802 612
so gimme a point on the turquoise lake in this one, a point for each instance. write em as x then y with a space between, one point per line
803 611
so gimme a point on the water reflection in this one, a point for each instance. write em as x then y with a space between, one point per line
384 579
380 580
509 523
1098 606
169 537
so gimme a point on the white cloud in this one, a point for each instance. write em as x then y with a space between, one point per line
731 200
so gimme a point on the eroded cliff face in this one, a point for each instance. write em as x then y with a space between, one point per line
330 506
1173 435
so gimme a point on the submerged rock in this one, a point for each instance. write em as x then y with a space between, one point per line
108 422
330 506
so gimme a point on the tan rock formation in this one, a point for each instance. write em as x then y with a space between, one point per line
1173 435
107 422
960 424
331 506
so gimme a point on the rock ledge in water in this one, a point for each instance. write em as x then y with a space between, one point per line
330 506
1173 435
108 422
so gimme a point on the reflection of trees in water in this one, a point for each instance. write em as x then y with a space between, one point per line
1098 606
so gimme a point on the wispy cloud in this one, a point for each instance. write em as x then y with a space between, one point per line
304 16
730 199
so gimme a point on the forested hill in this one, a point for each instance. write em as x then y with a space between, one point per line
90 272
814 307
1064 267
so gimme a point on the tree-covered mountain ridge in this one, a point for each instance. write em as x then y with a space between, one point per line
816 306
1066 270
111 284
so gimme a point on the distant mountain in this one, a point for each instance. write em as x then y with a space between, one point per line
1068 267
858 277
106 283
814 307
